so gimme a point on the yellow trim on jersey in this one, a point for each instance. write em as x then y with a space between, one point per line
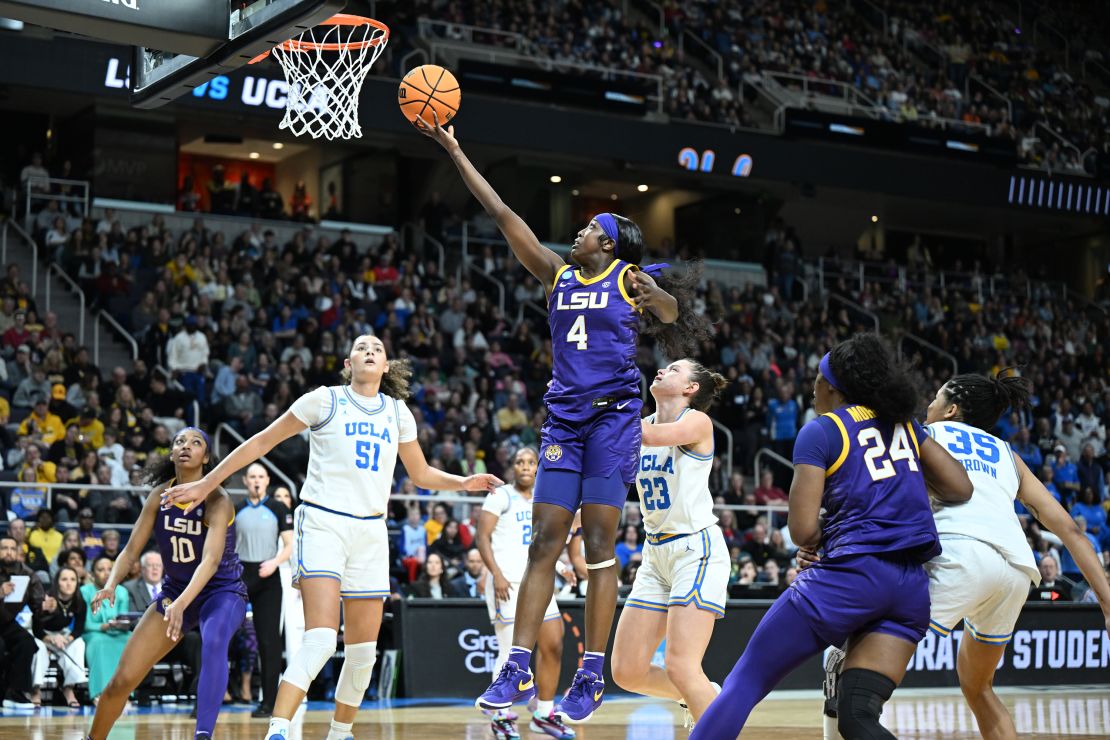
597 278
558 277
913 436
844 451
624 291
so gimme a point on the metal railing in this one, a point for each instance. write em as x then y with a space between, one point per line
34 252
230 431
473 269
174 383
713 54
1059 138
49 488
830 297
883 20
56 268
427 29
123 333
1040 25
728 450
411 232
33 196
924 343
767 452
448 52
993 91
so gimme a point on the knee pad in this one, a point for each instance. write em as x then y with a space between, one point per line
317 647
860 698
354 678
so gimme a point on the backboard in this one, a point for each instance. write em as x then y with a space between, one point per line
252 27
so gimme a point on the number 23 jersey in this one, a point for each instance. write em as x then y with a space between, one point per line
353 443
673 484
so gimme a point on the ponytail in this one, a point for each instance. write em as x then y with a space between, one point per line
983 399
689 330
710 385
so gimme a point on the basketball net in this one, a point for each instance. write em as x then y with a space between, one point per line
325 67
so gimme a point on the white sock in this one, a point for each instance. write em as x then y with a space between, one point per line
545 708
278 726
339 730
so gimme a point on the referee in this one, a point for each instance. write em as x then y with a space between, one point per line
259 523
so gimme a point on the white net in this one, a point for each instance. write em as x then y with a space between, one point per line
325 67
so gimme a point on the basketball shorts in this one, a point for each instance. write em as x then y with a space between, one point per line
504 612
690 569
228 595
973 582
858 594
353 551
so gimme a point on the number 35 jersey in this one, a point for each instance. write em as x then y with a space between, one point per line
875 499
989 516
593 341
673 485
353 443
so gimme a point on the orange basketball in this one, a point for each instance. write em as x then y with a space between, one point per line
426 88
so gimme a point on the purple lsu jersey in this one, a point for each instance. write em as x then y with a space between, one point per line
180 539
594 328
875 499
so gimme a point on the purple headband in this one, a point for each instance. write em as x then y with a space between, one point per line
198 430
826 371
608 224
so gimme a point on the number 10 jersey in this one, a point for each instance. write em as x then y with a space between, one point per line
353 442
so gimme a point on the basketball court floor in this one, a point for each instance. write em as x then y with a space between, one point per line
1072 712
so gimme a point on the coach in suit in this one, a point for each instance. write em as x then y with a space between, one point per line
142 592
472 582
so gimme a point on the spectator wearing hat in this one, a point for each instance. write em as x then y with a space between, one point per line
187 357
18 333
58 403
1065 474
41 425
91 428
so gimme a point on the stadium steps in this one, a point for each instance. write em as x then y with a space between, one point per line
65 302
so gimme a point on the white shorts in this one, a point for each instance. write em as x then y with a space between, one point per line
686 570
972 581
354 552
504 612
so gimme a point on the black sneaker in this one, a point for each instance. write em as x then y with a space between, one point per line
19 700
262 712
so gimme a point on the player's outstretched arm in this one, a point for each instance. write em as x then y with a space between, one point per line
536 258
1056 519
282 428
434 479
693 429
140 535
945 477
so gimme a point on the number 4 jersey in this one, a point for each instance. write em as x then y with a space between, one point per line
673 484
353 443
875 499
989 516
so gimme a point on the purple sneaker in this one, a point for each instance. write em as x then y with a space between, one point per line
513 685
551 725
583 697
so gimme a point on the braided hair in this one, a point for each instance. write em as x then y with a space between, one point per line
982 399
870 375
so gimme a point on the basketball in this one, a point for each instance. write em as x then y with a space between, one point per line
426 88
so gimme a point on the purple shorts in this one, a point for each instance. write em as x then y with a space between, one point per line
856 594
604 446
229 597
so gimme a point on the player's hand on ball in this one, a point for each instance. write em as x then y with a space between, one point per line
501 587
187 493
483 482
807 557
173 618
103 594
445 138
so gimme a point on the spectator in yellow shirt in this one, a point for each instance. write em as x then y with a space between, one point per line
44 536
45 471
436 522
41 425
90 426
511 418
181 271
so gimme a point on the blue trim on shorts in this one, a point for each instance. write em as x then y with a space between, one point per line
988 639
341 513
363 594
301 571
694 596
650 606
939 629
662 538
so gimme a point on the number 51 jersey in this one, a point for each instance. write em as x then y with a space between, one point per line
353 442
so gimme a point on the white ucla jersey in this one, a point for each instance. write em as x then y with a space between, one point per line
673 485
352 448
513 533
989 516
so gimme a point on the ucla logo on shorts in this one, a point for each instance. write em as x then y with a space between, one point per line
553 453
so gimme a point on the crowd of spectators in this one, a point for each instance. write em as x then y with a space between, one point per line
922 63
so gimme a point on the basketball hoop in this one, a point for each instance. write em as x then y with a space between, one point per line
325 67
